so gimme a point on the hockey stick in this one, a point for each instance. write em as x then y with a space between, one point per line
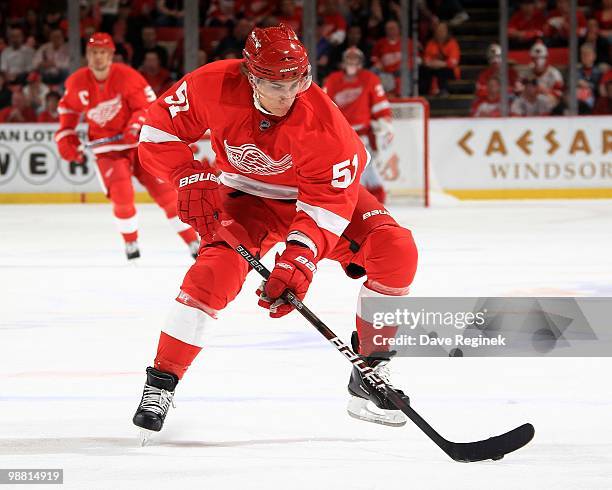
102 141
493 448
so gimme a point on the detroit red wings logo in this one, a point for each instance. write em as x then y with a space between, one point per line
345 97
105 111
251 160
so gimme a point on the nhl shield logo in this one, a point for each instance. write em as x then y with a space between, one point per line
264 124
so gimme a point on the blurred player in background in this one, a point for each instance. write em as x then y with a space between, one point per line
361 98
113 97
290 166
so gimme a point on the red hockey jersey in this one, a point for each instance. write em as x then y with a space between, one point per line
311 155
361 98
108 106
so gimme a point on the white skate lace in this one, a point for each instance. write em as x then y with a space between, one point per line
156 400
383 372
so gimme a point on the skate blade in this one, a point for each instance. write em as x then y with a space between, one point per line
365 410
145 436
133 262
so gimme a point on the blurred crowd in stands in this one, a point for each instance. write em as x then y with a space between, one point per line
35 61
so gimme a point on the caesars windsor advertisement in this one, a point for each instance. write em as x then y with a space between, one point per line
469 158
523 157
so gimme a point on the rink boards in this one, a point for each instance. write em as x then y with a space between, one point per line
487 158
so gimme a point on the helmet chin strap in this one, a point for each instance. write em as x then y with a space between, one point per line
256 101
258 105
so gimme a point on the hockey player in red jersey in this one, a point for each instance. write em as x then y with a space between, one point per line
361 98
113 97
290 166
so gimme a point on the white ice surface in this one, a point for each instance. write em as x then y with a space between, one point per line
263 406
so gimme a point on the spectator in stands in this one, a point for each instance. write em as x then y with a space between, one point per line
589 76
50 114
16 58
52 59
354 39
334 24
142 10
33 26
376 21
5 93
290 14
526 25
607 77
158 77
387 56
604 18
19 111
221 13
148 42
235 40
489 105
549 78
35 91
440 60
324 51
358 14
494 57
563 107
602 46
256 11
557 27
530 102
171 13
109 12
122 47
449 11
604 103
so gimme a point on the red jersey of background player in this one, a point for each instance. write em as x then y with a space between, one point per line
109 106
361 98
311 154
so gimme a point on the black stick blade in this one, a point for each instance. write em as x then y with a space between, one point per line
493 448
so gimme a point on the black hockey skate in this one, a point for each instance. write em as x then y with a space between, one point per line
368 404
155 403
132 251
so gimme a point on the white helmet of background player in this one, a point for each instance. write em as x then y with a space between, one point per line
539 55
494 54
352 61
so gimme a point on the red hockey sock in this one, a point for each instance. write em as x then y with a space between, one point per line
174 356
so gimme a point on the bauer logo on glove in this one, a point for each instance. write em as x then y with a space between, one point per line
201 177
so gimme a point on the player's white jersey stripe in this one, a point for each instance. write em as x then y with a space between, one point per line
127 225
358 127
64 133
149 134
380 106
324 218
63 110
382 292
257 188
187 324
107 148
